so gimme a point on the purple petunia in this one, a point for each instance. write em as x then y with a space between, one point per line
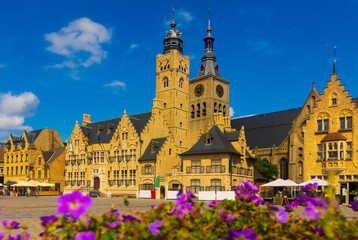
130 218
354 205
45 220
309 187
213 203
114 224
74 203
303 200
281 216
186 208
85 236
2 235
153 227
318 231
246 234
226 218
291 206
250 187
11 225
315 208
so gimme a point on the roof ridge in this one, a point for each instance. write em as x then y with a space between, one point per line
267 113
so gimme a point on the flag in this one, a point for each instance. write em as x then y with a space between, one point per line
69 142
85 140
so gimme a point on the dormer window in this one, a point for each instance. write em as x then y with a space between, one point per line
152 148
208 139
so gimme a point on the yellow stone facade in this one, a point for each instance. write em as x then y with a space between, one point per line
144 151
35 155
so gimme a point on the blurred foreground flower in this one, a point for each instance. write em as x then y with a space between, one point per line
246 234
74 203
153 227
85 236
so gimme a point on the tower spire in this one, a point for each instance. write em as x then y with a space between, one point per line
209 40
209 28
334 62
172 38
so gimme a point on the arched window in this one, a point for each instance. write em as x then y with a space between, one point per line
215 107
198 110
165 82
283 169
181 83
300 168
220 110
204 108
192 111
224 111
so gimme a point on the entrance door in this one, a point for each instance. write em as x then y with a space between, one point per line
96 183
162 192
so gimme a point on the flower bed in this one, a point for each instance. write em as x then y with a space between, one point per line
246 217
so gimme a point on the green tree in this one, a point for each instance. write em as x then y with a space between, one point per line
267 169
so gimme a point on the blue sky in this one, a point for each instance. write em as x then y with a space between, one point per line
60 59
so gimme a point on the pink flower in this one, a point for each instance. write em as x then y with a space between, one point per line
153 227
74 203
85 236
281 216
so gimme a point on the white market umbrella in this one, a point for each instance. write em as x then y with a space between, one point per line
319 182
22 184
45 184
277 183
291 183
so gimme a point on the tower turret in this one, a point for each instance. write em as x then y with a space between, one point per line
173 39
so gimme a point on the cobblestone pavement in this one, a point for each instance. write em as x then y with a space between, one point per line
28 210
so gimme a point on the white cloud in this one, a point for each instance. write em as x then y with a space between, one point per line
15 108
116 84
232 112
181 16
133 45
80 42
185 15
2 65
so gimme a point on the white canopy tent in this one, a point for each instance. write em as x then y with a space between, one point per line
319 182
281 183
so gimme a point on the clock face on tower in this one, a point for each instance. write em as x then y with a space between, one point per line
199 90
219 90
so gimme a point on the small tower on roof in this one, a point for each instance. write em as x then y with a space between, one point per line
208 60
173 39
334 62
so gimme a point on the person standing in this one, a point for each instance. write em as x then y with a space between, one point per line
37 191
28 192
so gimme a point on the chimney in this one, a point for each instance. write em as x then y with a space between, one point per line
86 119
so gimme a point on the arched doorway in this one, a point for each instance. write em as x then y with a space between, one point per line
96 183
283 169
162 192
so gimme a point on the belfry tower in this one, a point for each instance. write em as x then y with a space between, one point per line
172 85
209 93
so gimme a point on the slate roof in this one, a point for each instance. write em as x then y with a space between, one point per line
232 136
266 129
148 154
355 100
138 120
32 135
219 144
335 136
258 176
52 155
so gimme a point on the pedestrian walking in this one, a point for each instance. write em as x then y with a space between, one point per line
28 192
36 192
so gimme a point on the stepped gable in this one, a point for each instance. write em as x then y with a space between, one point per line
51 155
219 144
148 154
266 129
138 120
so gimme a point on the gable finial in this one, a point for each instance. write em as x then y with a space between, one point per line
334 62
